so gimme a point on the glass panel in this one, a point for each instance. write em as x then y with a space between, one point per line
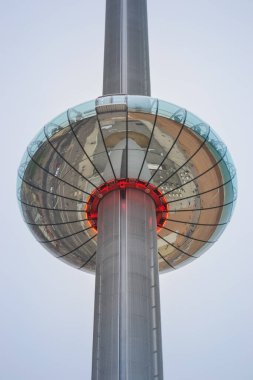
56 125
48 215
114 129
42 182
82 111
140 130
67 149
192 120
183 155
202 250
171 111
34 197
81 180
140 127
142 104
23 165
40 232
184 261
87 132
166 134
172 255
37 142
217 233
71 245
112 99
81 255
103 166
53 164
90 264
211 197
185 237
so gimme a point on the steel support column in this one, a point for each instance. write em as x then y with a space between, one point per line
127 326
126 54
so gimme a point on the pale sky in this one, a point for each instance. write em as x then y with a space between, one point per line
52 59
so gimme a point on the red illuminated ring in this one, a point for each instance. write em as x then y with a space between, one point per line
91 208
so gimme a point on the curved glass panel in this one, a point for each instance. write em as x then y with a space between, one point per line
83 111
142 104
127 137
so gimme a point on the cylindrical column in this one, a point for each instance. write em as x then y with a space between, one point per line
127 326
126 54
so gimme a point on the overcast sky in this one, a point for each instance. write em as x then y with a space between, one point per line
52 59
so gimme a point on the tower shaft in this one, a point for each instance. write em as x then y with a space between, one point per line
126 54
127 327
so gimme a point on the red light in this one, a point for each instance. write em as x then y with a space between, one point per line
91 208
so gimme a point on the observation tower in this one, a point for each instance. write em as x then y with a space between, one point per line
127 186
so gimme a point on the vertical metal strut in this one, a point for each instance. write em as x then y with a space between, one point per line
126 54
127 327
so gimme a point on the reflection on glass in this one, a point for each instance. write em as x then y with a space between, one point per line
137 137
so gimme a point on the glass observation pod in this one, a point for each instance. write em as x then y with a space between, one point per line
163 149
